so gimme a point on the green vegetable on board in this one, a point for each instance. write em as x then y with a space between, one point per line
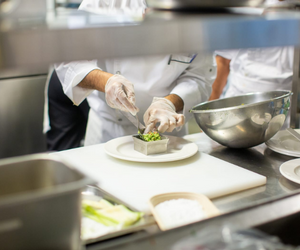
114 215
98 204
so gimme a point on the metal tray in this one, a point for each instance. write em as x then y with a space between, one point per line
39 196
186 4
151 147
95 193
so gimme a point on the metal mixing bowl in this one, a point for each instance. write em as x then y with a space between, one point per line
243 121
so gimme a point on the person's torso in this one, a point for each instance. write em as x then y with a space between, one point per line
152 77
262 69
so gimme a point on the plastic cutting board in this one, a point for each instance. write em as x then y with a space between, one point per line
135 183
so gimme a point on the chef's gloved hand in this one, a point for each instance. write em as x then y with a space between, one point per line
119 94
162 111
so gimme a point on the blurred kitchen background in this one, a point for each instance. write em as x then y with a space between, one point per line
22 90
22 93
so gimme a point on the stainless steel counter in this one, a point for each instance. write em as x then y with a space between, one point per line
259 159
279 198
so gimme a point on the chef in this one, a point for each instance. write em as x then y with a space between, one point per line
255 69
159 89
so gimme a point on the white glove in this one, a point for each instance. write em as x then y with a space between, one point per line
162 111
119 94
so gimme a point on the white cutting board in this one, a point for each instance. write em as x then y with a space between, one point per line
135 183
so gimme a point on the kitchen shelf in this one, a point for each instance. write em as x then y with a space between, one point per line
68 35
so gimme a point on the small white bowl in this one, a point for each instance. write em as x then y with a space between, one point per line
208 207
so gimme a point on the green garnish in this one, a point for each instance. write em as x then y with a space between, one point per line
151 136
117 215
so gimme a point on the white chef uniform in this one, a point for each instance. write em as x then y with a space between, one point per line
156 76
259 69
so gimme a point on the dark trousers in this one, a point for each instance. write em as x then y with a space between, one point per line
68 121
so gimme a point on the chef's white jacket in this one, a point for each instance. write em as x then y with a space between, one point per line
259 69
156 76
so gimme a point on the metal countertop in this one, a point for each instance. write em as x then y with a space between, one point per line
249 208
259 159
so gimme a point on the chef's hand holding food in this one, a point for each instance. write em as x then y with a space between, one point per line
164 111
119 94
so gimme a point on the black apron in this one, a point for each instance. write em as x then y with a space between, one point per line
67 121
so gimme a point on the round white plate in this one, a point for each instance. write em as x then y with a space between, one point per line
291 170
284 143
178 149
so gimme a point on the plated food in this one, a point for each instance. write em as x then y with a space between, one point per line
177 149
151 136
151 143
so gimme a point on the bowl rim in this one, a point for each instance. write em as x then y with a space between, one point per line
287 93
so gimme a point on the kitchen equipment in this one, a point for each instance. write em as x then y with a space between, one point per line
291 170
285 143
36 9
150 147
136 182
40 199
123 148
293 133
141 127
93 193
243 121
186 4
135 121
208 207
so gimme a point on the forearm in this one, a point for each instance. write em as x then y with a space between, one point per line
96 79
177 101
223 69
217 89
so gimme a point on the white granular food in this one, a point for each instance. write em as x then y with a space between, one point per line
178 212
91 229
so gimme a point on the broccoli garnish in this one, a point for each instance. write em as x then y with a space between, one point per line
151 136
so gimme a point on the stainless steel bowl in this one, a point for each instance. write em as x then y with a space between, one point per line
243 121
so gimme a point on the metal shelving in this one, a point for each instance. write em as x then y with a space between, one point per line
74 35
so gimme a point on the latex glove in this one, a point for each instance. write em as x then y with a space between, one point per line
119 94
162 111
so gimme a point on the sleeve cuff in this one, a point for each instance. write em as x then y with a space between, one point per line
76 93
189 93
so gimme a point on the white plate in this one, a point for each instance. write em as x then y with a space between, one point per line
178 149
284 143
291 170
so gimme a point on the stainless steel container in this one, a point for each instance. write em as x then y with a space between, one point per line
36 9
40 203
243 121
150 147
